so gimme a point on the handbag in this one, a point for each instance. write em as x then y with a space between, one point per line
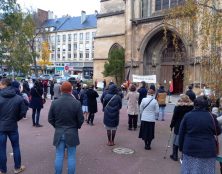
216 137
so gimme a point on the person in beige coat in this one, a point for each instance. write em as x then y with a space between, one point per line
132 107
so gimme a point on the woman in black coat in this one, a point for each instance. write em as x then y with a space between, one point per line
183 106
36 103
92 104
112 103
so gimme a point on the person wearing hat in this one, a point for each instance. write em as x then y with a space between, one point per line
148 110
183 106
66 116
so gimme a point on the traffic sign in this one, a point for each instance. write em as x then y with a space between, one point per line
66 67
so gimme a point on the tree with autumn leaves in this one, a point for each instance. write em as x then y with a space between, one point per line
44 56
199 23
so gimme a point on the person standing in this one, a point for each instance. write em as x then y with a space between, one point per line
161 99
12 109
36 103
56 89
112 103
45 88
142 94
66 116
132 107
183 106
92 104
197 139
190 93
148 110
51 83
84 101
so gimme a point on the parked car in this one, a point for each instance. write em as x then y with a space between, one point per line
46 76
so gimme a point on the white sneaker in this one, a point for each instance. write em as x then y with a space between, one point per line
21 169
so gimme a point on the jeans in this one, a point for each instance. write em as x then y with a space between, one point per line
35 116
162 111
14 138
60 149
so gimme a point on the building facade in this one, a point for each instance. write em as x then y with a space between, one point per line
137 26
71 44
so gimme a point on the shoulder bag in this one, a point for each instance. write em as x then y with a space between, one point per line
110 101
147 104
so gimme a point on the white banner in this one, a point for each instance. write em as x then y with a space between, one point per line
147 79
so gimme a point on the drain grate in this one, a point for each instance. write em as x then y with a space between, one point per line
123 151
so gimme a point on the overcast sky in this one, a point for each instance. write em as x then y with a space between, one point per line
62 7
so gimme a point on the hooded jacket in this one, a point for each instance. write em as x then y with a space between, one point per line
112 103
12 109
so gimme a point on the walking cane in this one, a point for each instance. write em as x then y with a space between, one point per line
168 145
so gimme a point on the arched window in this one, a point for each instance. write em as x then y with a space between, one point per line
165 4
115 46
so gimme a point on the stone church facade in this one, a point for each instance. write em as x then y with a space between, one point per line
137 26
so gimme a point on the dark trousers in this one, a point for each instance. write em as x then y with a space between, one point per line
91 118
35 116
14 138
132 121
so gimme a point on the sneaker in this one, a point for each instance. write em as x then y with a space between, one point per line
38 125
21 169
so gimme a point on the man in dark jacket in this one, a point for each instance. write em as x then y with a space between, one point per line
12 109
66 116
190 93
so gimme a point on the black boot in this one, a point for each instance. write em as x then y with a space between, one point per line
174 156
147 145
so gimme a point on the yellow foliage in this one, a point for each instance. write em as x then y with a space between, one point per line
45 54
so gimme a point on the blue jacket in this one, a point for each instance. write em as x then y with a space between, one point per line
83 97
143 93
196 135
12 109
111 109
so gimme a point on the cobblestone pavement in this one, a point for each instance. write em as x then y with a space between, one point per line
93 155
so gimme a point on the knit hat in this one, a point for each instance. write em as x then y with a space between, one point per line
66 87
15 84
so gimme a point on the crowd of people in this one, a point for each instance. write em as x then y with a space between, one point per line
195 121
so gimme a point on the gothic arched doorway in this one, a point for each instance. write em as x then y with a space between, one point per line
165 56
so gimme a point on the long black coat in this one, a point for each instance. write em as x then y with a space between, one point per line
92 102
178 114
36 98
66 116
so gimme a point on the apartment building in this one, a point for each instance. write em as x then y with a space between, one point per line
71 42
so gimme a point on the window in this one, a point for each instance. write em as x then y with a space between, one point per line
81 36
80 55
58 49
58 38
64 38
165 4
69 37
75 55
92 45
87 55
87 35
69 47
92 55
52 56
58 56
63 47
146 8
75 46
87 46
75 37
81 47
69 56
